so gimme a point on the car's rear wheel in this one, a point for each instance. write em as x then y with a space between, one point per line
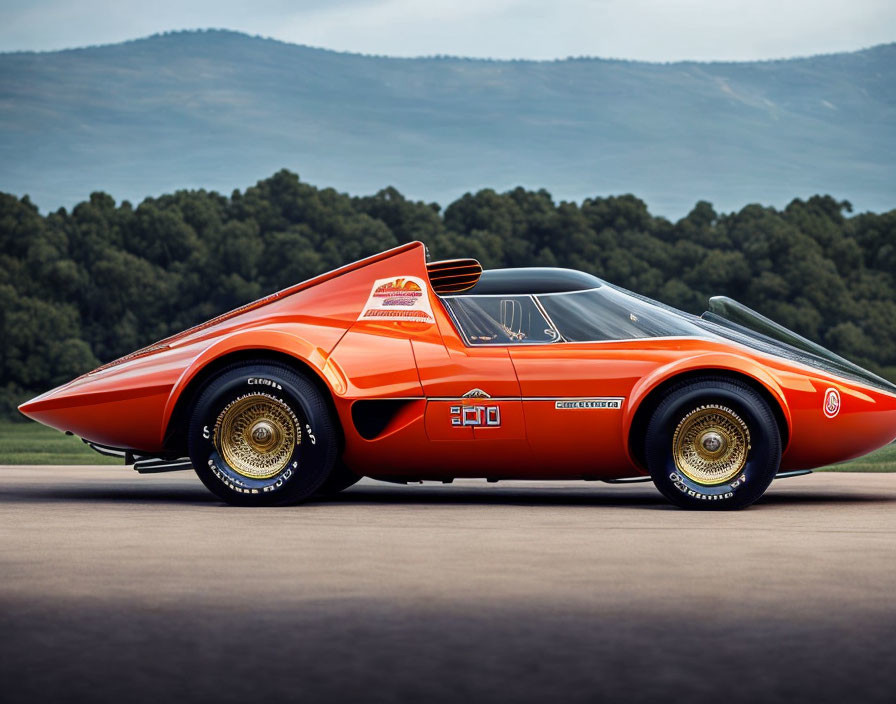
712 443
262 435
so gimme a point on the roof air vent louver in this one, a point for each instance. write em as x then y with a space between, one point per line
453 275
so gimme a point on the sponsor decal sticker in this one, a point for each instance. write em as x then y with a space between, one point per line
466 416
831 402
575 404
403 298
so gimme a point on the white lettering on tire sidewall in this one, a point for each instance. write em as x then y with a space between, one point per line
695 491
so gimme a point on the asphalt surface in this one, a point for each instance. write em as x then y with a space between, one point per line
119 587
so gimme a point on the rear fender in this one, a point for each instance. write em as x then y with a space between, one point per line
264 341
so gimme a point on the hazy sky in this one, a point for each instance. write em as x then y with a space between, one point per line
655 30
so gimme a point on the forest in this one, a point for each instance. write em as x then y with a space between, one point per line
85 286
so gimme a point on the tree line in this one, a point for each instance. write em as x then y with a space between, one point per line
85 286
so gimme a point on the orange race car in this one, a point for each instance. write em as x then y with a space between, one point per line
403 370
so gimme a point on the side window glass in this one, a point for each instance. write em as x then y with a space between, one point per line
500 320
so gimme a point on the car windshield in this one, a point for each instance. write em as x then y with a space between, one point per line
607 313
596 315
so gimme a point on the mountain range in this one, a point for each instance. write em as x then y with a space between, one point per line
219 110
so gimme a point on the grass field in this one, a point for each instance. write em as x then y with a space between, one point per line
884 460
30 443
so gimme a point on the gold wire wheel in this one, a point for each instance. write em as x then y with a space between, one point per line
256 435
711 444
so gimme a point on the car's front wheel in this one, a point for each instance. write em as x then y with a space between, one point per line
712 443
262 435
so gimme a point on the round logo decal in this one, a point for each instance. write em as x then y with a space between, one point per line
831 402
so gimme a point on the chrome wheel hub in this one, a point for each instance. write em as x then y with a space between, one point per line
263 435
711 444
256 435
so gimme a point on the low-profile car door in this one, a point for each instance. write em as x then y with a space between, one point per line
472 392
473 412
470 382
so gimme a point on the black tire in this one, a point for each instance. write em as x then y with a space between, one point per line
708 396
297 411
340 479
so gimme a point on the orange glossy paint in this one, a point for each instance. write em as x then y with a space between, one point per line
428 369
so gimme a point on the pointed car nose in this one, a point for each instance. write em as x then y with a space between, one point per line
110 409
39 404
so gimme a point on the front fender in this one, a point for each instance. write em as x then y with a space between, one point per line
278 341
715 361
